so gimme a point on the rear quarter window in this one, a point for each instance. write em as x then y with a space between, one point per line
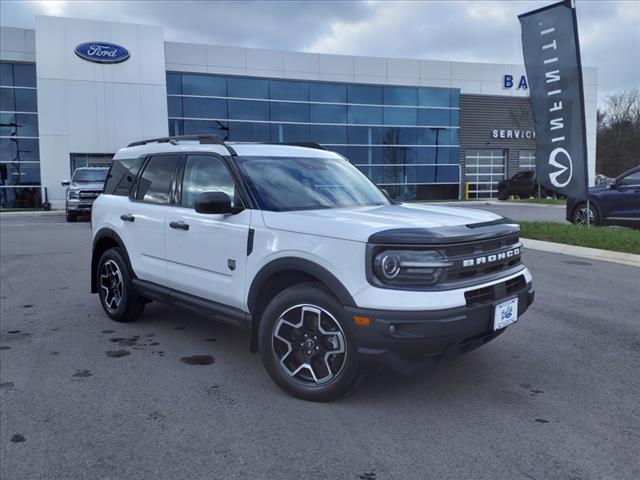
121 176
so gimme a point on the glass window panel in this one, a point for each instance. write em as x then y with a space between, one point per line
205 173
19 173
454 136
289 133
248 88
193 84
20 197
194 127
400 96
174 106
365 94
7 100
328 113
248 110
174 83
398 136
434 97
6 74
324 134
26 100
19 124
24 74
398 155
19 149
176 127
328 92
434 117
400 116
366 135
155 181
425 136
289 112
455 98
365 115
454 118
286 90
121 176
364 155
342 150
204 107
249 132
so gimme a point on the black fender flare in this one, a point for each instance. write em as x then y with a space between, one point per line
332 283
95 257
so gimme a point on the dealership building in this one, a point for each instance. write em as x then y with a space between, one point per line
422 129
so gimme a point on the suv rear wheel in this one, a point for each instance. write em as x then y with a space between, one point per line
305 344
117 296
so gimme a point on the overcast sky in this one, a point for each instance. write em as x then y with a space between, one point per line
463 30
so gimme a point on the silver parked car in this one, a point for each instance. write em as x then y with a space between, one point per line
84 187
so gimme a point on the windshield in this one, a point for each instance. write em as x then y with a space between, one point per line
281 184
90 176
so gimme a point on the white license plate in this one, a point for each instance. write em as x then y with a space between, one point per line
505 314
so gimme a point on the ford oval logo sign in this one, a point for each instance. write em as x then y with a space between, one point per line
102 52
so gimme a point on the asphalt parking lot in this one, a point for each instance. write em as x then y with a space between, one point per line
555 397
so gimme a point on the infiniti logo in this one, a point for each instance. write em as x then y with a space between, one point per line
561 160
471 262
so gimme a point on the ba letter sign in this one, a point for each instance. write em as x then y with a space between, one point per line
509 82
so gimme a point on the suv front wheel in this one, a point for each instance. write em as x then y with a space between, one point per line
117 296
306 346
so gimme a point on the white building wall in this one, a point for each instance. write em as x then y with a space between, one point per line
86 107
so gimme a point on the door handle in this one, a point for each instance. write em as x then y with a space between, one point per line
179 225
127 218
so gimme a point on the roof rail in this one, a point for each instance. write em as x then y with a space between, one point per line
208 139
317 146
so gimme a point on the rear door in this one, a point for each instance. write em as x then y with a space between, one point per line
142 221
206 253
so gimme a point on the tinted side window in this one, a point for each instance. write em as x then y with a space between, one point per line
155 182
121 176
206 173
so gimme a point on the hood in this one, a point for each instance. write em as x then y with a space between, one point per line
360 223
98 186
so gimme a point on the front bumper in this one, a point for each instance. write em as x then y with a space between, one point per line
79 206
406 341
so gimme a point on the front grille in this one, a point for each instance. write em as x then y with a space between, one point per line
482 258
89 195
495 292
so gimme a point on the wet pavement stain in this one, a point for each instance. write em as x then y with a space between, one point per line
117 353
368 475
18 438
82 373
541 420
126 342
198 360
108 331
160 353
14 331
212 339
5 347
154 344
150 335
26 306
155 416
55 353
6 386
180 328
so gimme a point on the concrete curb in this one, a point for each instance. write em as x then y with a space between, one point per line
583 252
31 214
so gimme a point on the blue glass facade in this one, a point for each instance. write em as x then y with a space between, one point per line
406 139
19 148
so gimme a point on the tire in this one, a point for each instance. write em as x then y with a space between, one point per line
579 215
303 366
503 194
117 295
71 217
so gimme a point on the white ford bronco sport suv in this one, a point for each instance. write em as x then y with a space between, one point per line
296 246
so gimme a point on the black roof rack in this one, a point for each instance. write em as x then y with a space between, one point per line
317 146
203 139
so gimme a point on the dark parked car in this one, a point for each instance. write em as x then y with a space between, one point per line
522 184
617 204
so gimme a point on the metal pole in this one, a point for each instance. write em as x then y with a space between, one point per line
588 213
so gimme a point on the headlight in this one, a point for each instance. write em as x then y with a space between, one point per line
409 267
73 194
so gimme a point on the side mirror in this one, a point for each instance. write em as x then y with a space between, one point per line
65 183
215 202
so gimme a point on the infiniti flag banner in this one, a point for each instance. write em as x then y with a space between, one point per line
552 61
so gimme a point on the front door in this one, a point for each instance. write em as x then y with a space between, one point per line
206 253
624 199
